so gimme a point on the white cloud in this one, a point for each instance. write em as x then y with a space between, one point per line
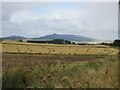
96 20
23 16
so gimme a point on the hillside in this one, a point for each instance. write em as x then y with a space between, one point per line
53 36
66 37
13 37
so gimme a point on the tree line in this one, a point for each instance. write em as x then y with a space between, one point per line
54 41
62 41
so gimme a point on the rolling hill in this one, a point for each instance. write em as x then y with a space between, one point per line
13 37
53 36
66 37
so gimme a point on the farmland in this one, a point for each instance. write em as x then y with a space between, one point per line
18 47
28 65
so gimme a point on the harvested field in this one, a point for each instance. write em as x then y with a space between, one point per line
27 65
51 71
15 47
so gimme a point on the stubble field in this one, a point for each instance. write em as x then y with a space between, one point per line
19 47
29 65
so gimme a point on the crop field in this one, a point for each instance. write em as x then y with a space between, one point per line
27 65
19 47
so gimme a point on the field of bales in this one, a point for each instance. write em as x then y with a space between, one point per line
27 65
19 47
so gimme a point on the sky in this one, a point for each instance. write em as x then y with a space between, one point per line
98 20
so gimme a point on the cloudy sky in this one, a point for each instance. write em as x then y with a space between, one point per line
97 20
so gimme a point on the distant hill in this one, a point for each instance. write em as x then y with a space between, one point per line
13 37
66 37
53 36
